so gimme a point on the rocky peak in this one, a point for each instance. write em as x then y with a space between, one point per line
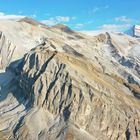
63 28
31 21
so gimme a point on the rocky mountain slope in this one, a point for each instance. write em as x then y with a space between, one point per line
69 86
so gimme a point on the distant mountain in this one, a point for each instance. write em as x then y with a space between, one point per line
134 31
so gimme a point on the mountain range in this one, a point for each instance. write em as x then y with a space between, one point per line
60 84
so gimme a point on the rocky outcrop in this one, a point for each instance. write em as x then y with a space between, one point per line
6 51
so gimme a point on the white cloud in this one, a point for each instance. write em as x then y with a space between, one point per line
101 8
123 19
11 17
114 27
62 19
57 19
49 22
107 28
34 16
78 25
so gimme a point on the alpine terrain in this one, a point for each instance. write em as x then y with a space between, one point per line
134 31
59 84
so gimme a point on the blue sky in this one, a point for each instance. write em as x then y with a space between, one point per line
78 14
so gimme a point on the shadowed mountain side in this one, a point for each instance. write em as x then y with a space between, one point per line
9 86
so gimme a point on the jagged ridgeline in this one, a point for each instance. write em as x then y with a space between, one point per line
58 84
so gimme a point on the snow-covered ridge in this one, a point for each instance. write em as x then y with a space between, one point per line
134 31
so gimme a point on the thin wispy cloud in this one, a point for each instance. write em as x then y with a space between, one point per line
79 25
34 16
123 19
95 9
99 8
62 19
49 22
57 19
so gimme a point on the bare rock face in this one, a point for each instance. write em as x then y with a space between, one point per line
70 88
6 51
